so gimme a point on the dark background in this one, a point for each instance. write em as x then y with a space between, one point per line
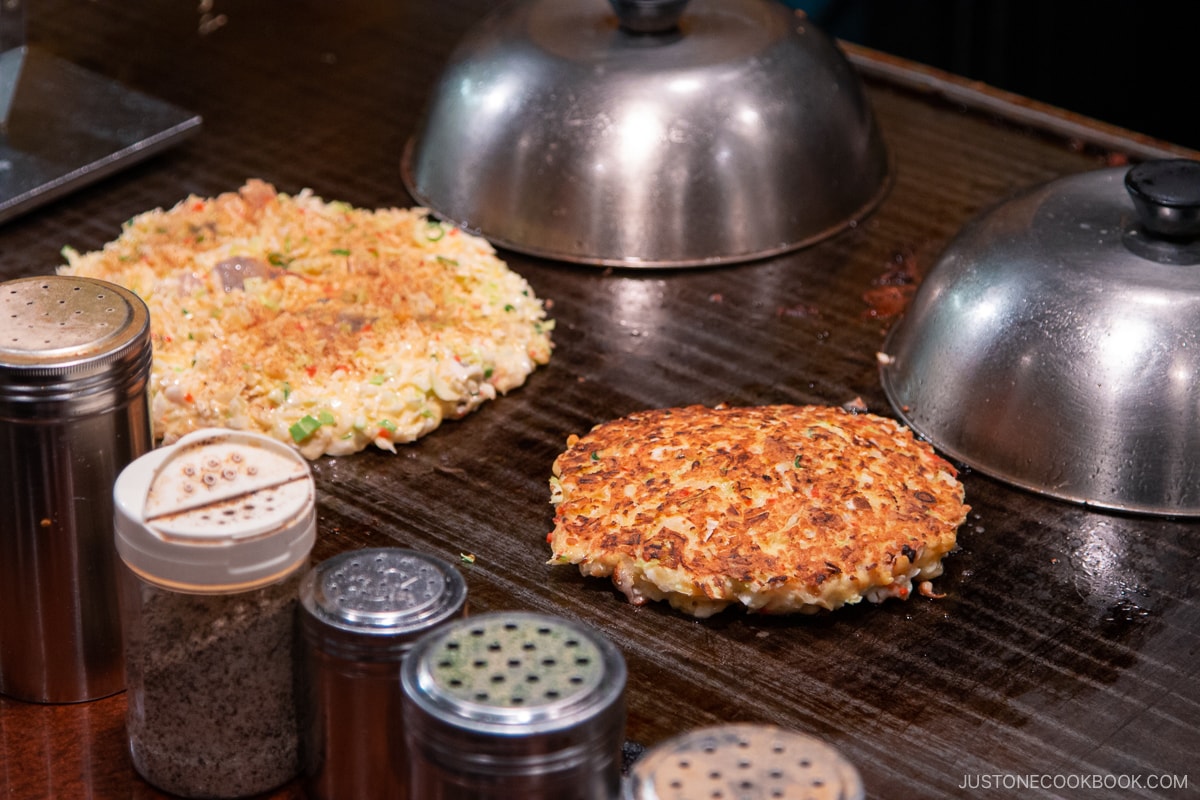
1131 64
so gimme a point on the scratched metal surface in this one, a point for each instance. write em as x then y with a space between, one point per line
1068 642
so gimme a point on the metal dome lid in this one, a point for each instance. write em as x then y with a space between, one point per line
1055 344
652 133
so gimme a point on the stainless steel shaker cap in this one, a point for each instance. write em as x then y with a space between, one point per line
648 133
743 762
70 341
1055 344
514 704
372 604
514 673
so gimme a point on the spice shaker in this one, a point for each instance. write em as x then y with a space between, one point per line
743 762
360 612
214 534
74 370
514 704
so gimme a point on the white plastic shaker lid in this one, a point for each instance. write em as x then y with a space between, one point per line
218 509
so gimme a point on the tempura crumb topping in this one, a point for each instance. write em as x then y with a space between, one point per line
320 324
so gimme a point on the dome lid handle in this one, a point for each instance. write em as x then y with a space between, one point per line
649 16
1166 196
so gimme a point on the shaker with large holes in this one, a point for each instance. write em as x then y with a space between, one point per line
75 359
742 761
214 534
514 705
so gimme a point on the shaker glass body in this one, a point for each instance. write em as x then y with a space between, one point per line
211 701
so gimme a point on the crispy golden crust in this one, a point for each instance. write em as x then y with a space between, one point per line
779 508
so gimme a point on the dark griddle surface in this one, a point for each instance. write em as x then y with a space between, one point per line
1068 642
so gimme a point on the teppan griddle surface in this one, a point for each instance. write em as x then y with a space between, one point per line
1066 650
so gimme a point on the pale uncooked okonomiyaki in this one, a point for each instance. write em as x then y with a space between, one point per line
324 325
781 509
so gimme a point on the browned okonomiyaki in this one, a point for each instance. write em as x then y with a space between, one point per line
781 509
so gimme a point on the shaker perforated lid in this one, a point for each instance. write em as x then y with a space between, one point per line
513 674
743 762
372 604
70 341
217 509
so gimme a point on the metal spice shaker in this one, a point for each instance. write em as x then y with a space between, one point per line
214 534
743 762
514 704
74 370
360 612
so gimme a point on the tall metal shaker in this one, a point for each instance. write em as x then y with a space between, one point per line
74 410
360 613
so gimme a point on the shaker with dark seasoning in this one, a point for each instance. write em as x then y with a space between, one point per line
214 533
360 612
74 410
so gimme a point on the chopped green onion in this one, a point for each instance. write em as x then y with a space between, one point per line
326 418
305 428
595 455
340 251
434 231
451 261
376 380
